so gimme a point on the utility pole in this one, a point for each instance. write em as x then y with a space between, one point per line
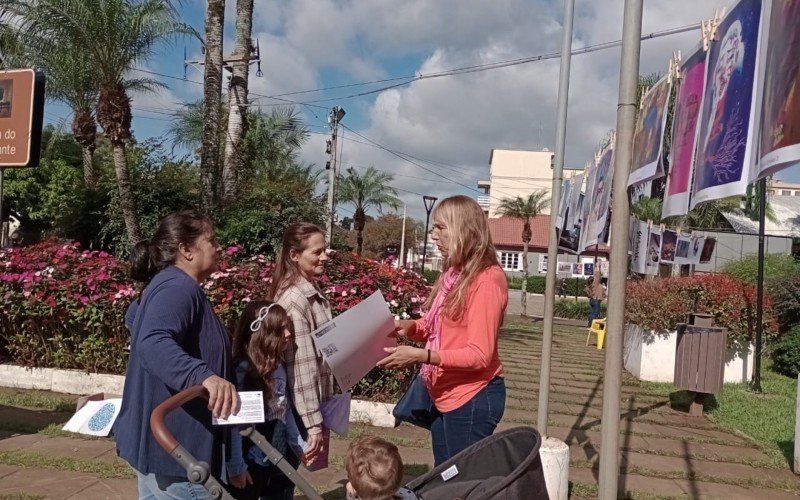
402 260
429 202
762 210
552 246
618 262
334 118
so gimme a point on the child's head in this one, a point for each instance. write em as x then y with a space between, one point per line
374 468
263 332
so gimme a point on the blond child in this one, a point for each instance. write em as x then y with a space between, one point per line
374 471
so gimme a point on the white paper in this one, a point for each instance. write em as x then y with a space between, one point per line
353 342
95 418
251 410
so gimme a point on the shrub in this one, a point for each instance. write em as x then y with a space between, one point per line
575 309
660 304
64 307
776 267
786 354
431 275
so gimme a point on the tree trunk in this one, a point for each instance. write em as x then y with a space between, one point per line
237 97
212 95
84 130
126 199
359 221
524 278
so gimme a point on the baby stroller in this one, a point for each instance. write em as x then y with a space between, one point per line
198 472
504 465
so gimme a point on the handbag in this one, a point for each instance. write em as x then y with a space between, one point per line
416 406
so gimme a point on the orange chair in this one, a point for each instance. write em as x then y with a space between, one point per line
598 328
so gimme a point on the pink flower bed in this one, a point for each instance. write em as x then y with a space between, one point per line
64 306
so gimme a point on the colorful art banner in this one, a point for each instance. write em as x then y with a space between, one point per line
669 241
600 196
641 235
726 132
653 251
648 136
584 213
684 134
780 109
569 236
696 248
683 249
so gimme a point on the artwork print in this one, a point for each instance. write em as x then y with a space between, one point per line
600 196
569 236
564 268
684 134
640 246
653 251
682 250
648 136
708 250
669 242
696 248
780 125
726 121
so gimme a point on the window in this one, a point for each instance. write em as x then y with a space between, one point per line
509 260
786 192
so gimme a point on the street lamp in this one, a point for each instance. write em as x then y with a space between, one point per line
334 117
429 201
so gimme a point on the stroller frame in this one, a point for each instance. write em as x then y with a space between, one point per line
198 472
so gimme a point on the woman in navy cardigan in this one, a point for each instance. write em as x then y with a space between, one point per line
177 341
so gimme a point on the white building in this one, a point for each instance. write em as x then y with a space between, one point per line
780 188
515 173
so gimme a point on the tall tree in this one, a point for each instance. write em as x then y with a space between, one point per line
364 192
237 100
212 102
117 35
525 208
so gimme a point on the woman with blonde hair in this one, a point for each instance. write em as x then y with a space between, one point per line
461 368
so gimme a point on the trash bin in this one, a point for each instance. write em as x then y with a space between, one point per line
700 358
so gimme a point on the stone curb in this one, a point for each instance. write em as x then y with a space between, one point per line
82 383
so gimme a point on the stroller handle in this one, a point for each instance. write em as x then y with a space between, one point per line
163 436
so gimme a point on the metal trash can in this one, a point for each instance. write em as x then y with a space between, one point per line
700 358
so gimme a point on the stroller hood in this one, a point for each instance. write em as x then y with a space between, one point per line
505 465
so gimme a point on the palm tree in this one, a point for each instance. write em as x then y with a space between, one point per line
365 191
237 97
70 79
212 102
646 208
117 36
525 209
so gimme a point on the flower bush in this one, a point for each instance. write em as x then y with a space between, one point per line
64 307
660 304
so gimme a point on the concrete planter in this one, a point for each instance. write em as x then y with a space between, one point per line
82 383
650 355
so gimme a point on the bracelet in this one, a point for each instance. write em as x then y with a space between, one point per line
429 356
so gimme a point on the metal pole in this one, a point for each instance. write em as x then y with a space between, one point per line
618 261
552 245
334 118
402 260
425 246
762 208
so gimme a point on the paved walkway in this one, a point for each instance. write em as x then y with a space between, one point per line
665 453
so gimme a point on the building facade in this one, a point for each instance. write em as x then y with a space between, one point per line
515 173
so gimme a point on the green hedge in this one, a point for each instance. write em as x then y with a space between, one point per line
575 309
536 284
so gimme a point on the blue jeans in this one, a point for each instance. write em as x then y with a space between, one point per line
157 487
453 431
594 310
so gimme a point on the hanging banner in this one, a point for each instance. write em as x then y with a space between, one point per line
669 240
696 248
682 250
708 250
684 134
601 194
584 212
641 235
569 236
648 136
653 251
780 117
563 203
726 131
575 187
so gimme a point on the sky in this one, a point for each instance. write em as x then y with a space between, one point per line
442 130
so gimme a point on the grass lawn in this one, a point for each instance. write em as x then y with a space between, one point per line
768 418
